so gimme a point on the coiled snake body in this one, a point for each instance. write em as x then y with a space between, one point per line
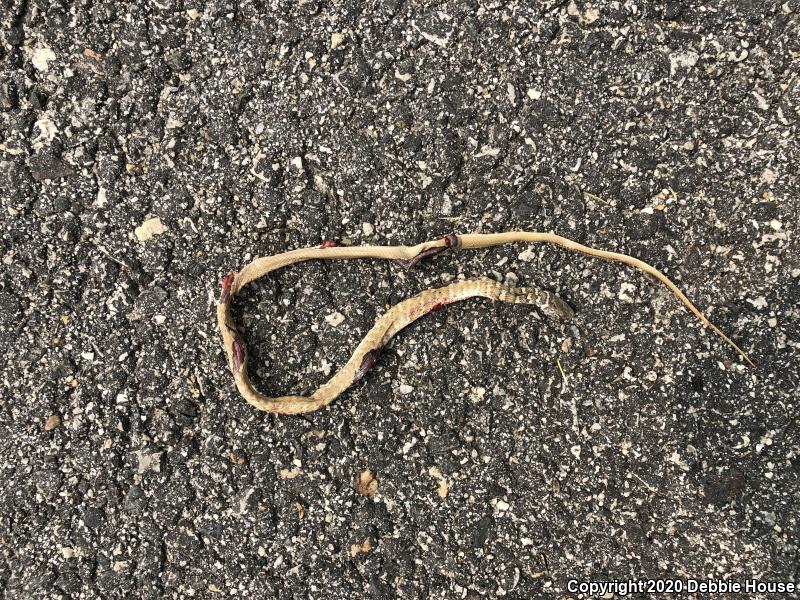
407 311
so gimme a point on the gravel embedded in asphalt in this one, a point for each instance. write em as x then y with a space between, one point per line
147 149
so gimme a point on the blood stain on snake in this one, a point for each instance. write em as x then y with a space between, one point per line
238 353
439 304
424 310
370 358
408 263
451 241
227 282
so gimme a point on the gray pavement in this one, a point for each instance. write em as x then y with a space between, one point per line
506 455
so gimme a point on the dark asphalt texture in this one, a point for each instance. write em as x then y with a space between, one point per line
129 465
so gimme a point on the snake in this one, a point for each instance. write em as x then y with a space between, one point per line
407 311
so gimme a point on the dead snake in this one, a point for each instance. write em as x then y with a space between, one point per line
407 311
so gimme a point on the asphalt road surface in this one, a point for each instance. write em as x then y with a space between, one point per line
489 453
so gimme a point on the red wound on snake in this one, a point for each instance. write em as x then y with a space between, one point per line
328 244
408 263
238 353
227 282
370 358
451 241
421 311
438 305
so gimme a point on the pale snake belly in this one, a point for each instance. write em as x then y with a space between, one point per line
407 311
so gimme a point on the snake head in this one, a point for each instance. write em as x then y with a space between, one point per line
238 353
563 309
227 282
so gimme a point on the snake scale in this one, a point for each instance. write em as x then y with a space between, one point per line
407 311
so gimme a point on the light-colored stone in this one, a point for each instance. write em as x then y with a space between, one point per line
334 319
337 39
52 422
150 228
40 57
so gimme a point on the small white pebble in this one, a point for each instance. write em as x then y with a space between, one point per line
476 394
527 255
40 57
591 15
336 40
325 367
101 199
149 228
623 291
335 319
405 389
512 93
367 228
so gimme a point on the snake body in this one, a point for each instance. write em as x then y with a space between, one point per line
407 311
